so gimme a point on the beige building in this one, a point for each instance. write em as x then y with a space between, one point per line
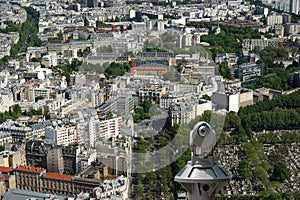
246 97
38 180
7 181
5 138
274 19
10 158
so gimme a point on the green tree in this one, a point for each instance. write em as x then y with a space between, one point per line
116 69
146 106
38 98
140 191
244 169
242 61
225 71
280 172
17 109
269 196
206 97
287 196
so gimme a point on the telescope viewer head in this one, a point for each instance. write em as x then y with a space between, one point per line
203 139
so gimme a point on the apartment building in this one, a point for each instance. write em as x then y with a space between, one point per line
294 79
173 97
84 160
110 127
21 132
64 134
55 160
37 179
248 72
151 92
5 50
232 99
37 155
11 158
6 99
226 100
50 60
181 113
185 111
5 138
249 44
125 104
274 19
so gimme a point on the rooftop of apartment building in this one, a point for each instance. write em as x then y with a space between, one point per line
234 90
25 195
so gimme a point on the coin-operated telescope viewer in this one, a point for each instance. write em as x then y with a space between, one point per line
202 177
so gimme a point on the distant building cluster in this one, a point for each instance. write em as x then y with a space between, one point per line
106 73
291 6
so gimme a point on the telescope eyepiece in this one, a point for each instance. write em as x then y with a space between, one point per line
203 130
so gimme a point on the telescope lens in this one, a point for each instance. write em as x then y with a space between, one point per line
203 130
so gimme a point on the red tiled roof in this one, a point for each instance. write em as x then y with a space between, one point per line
164 95
30 169
58 176
112 177
4 177
5 169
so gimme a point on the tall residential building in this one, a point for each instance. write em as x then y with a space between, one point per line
294 6
36 155
125 104
55 160
274 19
232 99
226 100
291 6
6 99
92 3
110 127
249 44
62 135
249 72
10 158
93 129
